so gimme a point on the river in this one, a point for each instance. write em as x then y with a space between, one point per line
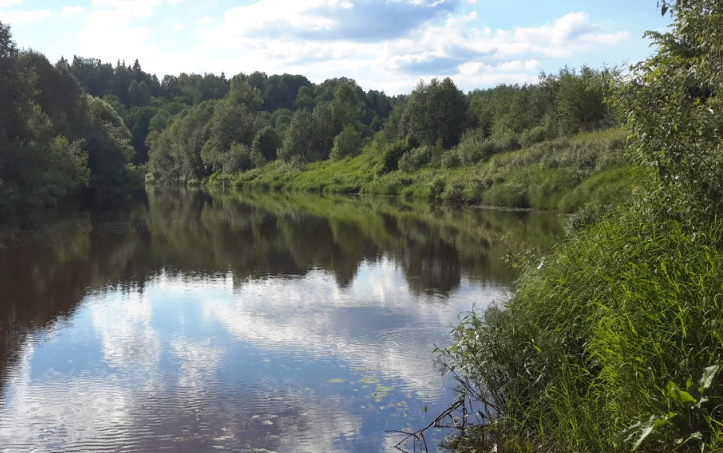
195 322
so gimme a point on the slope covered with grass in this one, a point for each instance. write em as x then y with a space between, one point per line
561 174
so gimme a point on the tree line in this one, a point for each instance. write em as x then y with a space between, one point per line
84 129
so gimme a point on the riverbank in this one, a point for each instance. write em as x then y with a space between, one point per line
563 175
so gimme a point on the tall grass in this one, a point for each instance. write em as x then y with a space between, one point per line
615 331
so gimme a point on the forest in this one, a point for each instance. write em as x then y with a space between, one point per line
85 130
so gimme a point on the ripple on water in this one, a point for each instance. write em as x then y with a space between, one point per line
193 325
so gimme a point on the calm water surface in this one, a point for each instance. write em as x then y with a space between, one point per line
251 323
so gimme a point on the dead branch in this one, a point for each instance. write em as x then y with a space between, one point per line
418 436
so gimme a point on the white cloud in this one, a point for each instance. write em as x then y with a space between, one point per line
613 38
109 32
68 11
130 8
24 17
128 339
389 41
9 3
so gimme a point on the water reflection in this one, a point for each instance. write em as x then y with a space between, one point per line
193 322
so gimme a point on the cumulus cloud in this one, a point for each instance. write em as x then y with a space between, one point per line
394 41
9 3
24 17
324 20
68 11
455 41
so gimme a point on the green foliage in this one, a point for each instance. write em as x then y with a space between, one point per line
393 152
232 122
552 175
55 145
595 335
436 187
614 342
347 144
238 158
175 154
139 94
558 105
417 158
242 92
673 102
687 414
473 148
108 144
302 142
435 111
265 145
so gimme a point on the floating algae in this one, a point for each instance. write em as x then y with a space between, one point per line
381 393
369 380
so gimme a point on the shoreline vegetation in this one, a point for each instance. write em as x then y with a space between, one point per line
612 342
561 175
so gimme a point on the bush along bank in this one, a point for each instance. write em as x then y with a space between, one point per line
561 174
614 342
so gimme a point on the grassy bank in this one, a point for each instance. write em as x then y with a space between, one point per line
562 174
612 341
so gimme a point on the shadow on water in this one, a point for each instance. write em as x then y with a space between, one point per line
236 320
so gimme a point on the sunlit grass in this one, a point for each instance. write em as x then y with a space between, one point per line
562 174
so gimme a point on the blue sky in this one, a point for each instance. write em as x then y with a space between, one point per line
383 44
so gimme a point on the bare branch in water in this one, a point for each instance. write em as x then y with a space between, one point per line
419 435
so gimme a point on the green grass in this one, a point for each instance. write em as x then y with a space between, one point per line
596 338
561 175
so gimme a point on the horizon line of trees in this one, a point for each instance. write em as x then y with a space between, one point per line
84 129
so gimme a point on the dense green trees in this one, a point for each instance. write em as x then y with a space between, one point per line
436 112
56 142
266 146
186 127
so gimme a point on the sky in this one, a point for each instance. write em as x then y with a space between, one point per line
383 44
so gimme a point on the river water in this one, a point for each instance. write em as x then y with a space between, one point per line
187 322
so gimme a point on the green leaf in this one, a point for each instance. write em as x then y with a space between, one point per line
679 396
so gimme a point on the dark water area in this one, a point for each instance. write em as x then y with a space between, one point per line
190 322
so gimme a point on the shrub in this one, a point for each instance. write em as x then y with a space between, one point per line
537 134
265 145
452 159
258 159
436 187
475 148
238 158
506 141
392 153
347 144
454 191
416 159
